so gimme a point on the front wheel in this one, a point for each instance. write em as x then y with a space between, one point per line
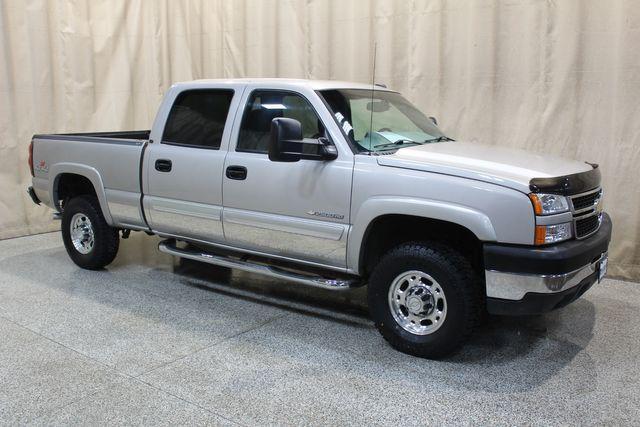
425 299
90 242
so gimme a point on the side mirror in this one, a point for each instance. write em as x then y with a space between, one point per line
286 136
433 119
288 145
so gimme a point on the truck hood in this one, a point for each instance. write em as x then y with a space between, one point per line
500 165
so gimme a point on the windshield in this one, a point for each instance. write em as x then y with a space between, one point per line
380 120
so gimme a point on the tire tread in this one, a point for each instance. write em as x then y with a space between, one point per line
465 277
107 240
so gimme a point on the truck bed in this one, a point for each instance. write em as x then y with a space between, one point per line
110 160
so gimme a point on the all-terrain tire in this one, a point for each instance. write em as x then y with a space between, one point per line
95 253
452 274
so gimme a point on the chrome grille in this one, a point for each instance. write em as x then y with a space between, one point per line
586 201
586 213
585 226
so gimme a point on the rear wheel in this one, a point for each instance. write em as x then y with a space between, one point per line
425 299
90 242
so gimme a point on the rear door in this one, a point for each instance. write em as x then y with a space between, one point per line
183 166
296 210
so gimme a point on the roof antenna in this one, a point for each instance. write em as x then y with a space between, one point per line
373 89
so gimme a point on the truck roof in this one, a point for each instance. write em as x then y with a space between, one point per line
281 82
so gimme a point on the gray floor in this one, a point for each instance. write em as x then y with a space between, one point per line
152 340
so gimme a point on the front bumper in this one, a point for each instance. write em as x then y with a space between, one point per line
531 280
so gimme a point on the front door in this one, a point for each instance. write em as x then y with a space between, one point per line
294 210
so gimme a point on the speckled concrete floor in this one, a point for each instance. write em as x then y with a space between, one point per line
152 340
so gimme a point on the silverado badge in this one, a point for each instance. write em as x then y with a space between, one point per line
326 214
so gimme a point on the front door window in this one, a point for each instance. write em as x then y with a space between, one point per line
264 106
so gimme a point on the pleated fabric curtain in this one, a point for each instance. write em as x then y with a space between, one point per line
557 77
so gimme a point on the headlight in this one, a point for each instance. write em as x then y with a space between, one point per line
546 234
547 204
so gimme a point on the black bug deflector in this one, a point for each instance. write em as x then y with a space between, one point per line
568 184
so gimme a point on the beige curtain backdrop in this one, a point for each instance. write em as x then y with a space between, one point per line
557 76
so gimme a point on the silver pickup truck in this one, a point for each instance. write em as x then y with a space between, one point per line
336 185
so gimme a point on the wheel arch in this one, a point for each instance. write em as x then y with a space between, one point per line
386 222
71 179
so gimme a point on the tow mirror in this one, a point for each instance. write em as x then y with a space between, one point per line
288 145
286 136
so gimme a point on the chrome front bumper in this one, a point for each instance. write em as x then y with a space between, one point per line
514 286
524 280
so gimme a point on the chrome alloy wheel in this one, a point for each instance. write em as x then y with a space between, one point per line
417 303
82 235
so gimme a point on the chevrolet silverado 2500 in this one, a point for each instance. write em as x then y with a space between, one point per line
336 185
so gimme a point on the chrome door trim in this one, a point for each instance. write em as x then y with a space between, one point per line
182 217
198 210
287 224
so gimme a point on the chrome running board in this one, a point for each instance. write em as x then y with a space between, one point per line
169 247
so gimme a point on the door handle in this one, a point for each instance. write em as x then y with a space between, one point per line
163 165
236 172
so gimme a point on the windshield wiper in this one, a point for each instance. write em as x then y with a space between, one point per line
398 142
438 139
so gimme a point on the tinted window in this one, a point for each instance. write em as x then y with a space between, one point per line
264 106
197 118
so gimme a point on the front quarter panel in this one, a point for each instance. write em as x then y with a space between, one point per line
492 212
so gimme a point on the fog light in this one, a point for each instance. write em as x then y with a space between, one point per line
546 234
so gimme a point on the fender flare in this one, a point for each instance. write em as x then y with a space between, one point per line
473 220
86 171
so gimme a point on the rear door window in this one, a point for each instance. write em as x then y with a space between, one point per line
197 118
